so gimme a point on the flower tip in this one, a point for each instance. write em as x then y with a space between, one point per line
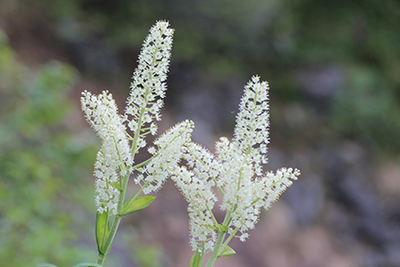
255 78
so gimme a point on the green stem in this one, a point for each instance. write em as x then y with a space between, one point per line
202 254
219 243
137 166
217 247
100 259
230 237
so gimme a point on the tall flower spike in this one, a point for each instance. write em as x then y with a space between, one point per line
148 86
245 191
114 158
252 122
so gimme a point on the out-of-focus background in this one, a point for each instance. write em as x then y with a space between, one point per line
334 73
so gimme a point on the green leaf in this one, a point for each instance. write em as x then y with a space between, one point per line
102 230
137 204
226 252
195 261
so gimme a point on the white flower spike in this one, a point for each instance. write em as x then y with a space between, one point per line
170 147
115 159
148 86
236 172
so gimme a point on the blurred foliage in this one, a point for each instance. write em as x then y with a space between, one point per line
275 39
43 196
269 33
369 109
140 252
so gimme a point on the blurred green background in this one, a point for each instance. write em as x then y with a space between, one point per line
334 72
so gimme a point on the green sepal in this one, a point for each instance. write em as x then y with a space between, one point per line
226 252
137 204
102 228
195 260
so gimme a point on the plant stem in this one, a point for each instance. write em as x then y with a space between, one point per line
100 258
217 247
220 239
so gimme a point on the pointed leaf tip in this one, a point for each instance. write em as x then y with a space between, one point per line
195 261
137 204
226 252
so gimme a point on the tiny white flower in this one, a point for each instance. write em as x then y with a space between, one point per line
152 150
244 236
141 142
153 128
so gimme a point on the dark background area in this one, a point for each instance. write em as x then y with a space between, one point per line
334 73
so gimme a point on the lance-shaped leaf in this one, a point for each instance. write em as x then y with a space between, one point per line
137 204
102 230
196 259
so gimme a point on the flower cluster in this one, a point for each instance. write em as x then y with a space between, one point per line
114 158
170 147
196 186
148 86
236 171
252 123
